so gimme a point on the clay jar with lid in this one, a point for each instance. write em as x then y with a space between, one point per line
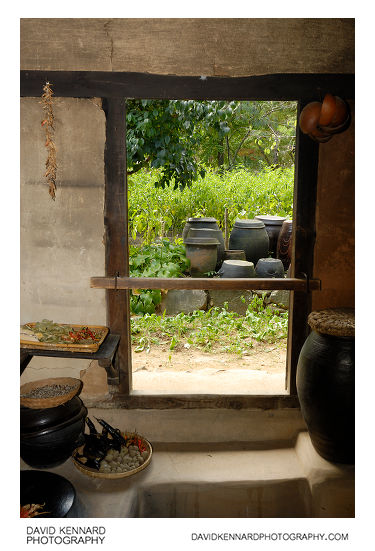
325 384
48 436
202 222
250 236
273 226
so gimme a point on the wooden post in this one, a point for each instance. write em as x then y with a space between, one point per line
226 240
116 233
303 238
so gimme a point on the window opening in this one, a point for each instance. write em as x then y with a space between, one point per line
225 160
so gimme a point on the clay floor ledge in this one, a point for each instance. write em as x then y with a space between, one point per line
193 401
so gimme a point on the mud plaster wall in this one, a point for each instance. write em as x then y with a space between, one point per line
335 230
61 242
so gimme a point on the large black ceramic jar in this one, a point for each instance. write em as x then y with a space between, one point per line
273 226
251 237
325 384
48 436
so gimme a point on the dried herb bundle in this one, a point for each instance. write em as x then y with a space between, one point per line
47 123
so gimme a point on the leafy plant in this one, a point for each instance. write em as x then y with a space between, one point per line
160 259
217 328
157 211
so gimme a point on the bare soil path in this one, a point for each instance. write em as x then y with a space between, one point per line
260 371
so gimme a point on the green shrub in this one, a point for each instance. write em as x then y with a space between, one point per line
160 259
156 211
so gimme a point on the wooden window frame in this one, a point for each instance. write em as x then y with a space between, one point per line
114 89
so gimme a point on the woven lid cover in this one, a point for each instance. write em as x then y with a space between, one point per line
337 321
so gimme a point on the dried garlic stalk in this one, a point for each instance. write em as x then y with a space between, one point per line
51 166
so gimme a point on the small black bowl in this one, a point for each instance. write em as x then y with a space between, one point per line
54 491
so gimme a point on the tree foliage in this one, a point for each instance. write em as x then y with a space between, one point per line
167 134
183 137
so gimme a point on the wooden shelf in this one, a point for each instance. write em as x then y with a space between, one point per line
288 284
105 355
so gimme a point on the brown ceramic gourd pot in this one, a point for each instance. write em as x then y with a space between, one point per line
284 243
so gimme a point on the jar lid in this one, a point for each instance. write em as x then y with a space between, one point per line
271 220
252 223
336 321
238 263
202 220
201 241
269 260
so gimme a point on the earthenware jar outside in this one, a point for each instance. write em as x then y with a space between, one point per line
202 253
233 254
269 267
237 268
273 226
210 232
325 384
203 222
284 243
250 236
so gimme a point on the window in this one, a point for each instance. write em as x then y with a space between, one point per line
113 88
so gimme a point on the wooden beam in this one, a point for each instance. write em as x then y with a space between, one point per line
292 86
121 282
116 237
196 401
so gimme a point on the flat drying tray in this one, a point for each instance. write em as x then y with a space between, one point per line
68 347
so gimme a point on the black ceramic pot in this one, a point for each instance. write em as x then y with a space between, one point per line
251 237
55 491
202 253
325 387
203 222
237 268
273 226
48 436
269 267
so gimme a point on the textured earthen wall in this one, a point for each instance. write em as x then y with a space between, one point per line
62 240
335 229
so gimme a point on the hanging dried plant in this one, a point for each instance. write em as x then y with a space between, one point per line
47 123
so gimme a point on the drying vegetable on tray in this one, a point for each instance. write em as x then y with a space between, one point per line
50 332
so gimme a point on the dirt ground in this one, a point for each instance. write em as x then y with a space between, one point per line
260 371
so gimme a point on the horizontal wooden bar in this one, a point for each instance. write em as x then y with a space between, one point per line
195 401
291 86
288 284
